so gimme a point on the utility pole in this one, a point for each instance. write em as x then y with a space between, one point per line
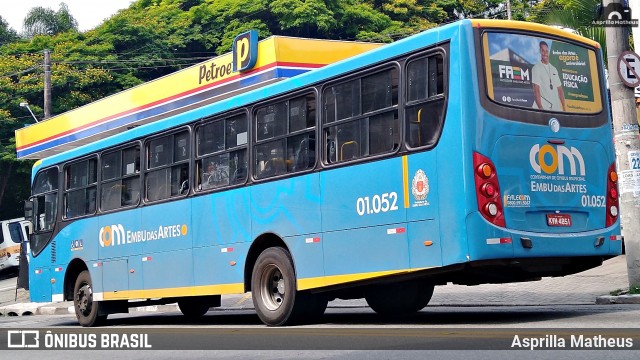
47 84
626 142
635 10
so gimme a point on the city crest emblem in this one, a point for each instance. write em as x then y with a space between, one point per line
420 187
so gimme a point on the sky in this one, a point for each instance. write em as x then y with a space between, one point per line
88 13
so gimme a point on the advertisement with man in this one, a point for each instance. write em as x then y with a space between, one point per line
541 73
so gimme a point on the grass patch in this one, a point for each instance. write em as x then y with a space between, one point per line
633 290
617 292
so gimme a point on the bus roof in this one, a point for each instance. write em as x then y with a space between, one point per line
277 57
529 26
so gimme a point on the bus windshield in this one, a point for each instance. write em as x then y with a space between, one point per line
537 72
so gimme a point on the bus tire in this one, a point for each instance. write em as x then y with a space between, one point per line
399 298
273 289
193 308
87 310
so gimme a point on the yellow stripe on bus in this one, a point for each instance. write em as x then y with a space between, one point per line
222 289
405 180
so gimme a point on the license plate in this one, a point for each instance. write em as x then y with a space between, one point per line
558 219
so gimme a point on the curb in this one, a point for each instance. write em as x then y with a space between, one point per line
55 310
620 299
21 309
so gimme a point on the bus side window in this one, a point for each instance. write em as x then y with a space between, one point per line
120 178
46 200
226 163
424 108
366 121
80 188
290 146
168 166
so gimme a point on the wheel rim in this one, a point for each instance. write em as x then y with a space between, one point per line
84 299
272 287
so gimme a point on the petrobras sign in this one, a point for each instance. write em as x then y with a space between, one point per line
116 234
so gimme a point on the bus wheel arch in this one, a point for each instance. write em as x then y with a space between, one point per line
76 266
260 244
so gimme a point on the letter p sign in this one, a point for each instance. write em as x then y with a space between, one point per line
245 51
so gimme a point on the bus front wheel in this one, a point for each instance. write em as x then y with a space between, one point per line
87 310
399 298
275 297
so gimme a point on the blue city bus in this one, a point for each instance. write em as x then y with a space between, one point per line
476 152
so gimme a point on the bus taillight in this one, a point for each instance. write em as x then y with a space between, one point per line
488 190
612 195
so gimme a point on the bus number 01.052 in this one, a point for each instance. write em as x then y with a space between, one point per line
377 203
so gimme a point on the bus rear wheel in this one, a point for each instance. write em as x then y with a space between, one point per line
275 297
399 298
193 308
87 310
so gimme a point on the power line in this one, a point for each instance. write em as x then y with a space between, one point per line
22 72
130 61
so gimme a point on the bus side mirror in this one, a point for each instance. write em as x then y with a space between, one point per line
28 210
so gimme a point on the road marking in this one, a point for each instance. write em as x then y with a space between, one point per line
246 297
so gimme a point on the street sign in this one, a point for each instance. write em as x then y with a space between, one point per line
629 68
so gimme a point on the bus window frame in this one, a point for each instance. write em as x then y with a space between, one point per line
442 49
145 169
48 234
254 143
537 116
101 179
397 109
65 190
196 156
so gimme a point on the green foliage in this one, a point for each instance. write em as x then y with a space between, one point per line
310 16
45 21
7 34
573 14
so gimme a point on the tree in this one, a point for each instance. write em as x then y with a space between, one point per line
573 14
7 34
45 21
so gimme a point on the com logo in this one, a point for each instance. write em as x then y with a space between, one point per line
111 235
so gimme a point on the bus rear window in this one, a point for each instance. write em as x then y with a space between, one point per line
541 73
